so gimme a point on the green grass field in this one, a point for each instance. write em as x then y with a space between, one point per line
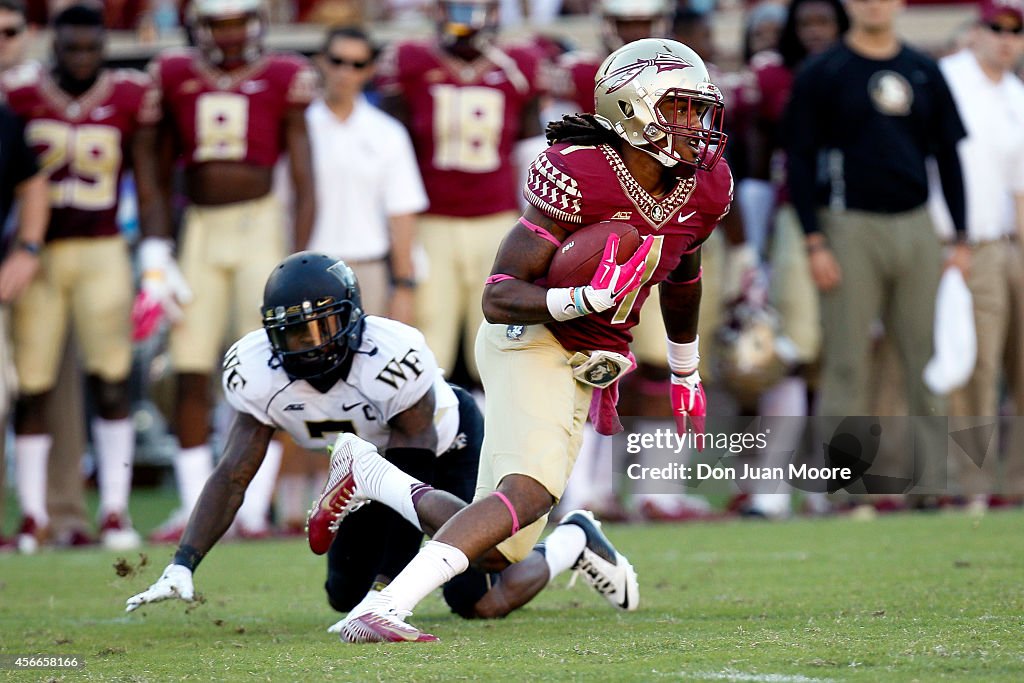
904 597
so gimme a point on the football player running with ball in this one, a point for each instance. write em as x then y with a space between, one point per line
650 157
319 367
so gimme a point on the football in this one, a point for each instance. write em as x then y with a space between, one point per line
577 258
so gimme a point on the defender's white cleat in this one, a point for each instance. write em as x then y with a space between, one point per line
602 566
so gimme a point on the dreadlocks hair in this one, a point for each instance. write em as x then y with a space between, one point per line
581 129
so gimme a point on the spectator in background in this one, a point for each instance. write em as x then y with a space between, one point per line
368 192
864 117
368 188
230 111
991 103
83 121
762 28
13 33
21 181
812 26
468 104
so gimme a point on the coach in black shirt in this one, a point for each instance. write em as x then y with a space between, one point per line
863 118
21 179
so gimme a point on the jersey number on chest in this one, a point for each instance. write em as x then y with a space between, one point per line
222 125
467 127
90 153
650 265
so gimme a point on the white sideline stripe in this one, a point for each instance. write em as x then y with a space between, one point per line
739 676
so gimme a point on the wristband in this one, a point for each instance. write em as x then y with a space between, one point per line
683 359
561 303
188 557
32 247
403 283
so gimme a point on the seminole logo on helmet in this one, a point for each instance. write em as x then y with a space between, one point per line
624 75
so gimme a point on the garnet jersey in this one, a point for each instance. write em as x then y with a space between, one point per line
231 116
576 186
82 142
392 371
465 119
774 84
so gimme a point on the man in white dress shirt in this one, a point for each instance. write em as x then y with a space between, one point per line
991 103
368 185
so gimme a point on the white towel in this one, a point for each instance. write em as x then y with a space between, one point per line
956 342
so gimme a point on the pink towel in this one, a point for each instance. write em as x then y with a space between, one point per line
603 413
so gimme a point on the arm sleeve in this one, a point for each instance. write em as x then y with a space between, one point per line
951 175
802 138
948 131
21 159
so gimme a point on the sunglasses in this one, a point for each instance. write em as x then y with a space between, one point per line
999 28
11 31
341 61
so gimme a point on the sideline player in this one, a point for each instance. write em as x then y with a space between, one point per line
230 110
467 104
319 367
84 122
651 156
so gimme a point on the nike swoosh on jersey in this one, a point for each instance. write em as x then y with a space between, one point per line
345 407
683 219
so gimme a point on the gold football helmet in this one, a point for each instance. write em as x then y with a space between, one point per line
657 95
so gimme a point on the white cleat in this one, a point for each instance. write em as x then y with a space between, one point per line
602 566
376 620
340 495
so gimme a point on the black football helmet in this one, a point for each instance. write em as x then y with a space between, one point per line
313 314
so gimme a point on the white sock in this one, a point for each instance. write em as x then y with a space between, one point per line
435 565
254 514
115 450
379 480
293 497
192 468
563 547
31 453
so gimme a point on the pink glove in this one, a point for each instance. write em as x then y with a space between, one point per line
689 404
612 282
147 313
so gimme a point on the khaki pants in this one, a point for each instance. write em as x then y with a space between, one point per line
792 292
1013 464
374 285
89 282
891 266
227 253
535 412
448 301
996 282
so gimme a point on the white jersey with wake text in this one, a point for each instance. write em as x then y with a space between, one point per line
392 371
